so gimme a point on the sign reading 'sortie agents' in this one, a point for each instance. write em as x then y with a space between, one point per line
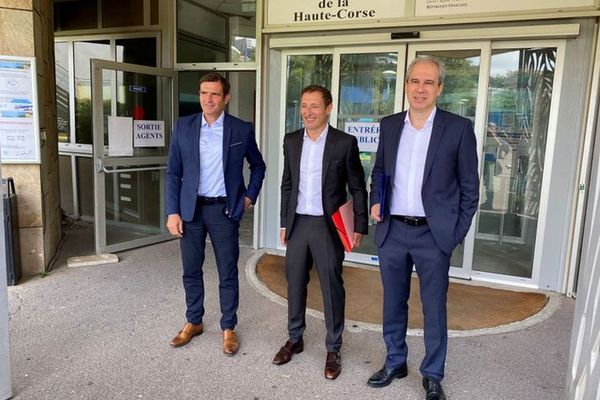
148 133
293 12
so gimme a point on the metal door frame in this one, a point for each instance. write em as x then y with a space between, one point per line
104 165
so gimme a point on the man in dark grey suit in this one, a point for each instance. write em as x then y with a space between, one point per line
320 162
424 192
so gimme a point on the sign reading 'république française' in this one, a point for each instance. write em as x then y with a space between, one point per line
326 11
445 7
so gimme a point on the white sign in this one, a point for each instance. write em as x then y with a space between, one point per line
293 12
367 134
120 139
148 133
19 138
445 7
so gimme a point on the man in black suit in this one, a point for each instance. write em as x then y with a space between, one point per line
320 162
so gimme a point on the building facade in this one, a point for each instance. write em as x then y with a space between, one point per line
525 72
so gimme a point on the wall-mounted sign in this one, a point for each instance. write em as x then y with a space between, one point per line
149 133
19 129
367 134
445 7
137 89
293 12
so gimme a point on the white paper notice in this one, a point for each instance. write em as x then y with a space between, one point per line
120 138
148 133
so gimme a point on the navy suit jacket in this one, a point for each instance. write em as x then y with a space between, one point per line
450 191
341 169
183 167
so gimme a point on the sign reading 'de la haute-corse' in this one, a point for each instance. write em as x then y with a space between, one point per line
326 11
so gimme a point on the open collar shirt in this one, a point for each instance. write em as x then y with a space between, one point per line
310 199
410 167
212 178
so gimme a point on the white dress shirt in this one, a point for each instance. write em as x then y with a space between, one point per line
410 166
212 179
310 199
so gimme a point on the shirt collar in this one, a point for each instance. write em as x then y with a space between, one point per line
428 123
218 121
321 137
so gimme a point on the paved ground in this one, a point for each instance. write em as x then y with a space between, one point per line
102 333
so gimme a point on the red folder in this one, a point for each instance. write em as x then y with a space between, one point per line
343 219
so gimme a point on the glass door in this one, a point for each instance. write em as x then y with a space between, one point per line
366 85
464 93
132 119
522 86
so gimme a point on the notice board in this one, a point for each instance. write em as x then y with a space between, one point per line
19 124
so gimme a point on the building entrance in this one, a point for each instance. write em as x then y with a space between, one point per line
505 89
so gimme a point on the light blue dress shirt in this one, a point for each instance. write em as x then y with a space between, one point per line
410 167
310 198
212 178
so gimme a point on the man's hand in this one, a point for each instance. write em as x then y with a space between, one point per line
375 210
356 239
282 239
175 225
247 203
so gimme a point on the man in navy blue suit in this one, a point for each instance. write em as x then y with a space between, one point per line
206 195
425 177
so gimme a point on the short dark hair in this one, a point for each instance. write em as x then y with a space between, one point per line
325 93
215 77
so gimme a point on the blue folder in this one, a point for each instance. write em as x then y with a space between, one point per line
382 186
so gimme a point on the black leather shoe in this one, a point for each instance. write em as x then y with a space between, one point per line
434 390
385 375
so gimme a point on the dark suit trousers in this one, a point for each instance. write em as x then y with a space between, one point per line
224 236
311 241
404 246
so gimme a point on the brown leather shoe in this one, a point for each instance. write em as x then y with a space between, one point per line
284 355
230 342
186 334
333 365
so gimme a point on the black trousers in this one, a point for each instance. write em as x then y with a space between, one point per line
311 241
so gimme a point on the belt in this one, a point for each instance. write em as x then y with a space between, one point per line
414 221
207 201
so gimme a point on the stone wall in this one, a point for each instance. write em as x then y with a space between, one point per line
26 29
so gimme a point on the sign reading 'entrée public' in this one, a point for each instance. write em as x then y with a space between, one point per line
325 11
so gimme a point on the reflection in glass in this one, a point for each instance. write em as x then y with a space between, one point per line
63 122
459 96
116 13
133 205
304 70
84 51
367 93
521 83
73 15
209 31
